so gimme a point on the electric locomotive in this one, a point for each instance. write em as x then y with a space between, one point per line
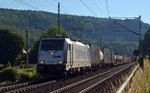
60 56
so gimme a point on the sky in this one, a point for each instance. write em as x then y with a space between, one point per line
94 8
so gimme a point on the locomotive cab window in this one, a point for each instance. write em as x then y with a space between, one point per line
52 45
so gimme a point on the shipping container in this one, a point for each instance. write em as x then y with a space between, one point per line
108 56
95 54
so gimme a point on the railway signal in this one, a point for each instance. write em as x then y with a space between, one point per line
136 52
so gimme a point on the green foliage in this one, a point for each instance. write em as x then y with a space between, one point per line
8 74
137 61
122 47
34 52
11 74
146 57
38 22
24 77
11 44
27 75
22 66
18 59
146 43
8 65
53 30
50 33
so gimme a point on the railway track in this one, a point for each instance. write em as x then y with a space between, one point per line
86 85
75 84
23 87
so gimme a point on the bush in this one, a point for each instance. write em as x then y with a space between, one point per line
8 74
27 77
137 61
24 77
25 66
9 64
11 46
22 66
19 59
33 70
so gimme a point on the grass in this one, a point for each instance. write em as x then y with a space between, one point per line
141 80
27 74
21 74
114 84
147 73
31 72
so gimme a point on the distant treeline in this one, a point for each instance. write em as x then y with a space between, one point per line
87 29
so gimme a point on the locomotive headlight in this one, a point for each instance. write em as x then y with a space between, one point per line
51 53
41 61
60 61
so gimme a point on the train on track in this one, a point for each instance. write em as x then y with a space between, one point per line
58 57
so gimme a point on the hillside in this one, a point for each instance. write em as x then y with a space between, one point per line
88 28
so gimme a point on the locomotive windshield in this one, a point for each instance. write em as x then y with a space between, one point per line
52 44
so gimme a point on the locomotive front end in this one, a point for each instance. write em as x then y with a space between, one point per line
51 58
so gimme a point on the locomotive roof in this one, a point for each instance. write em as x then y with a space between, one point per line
68 40
74 42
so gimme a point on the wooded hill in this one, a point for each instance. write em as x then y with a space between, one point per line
85 28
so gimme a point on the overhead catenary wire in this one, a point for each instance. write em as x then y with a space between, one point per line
27 4
23 3
107 8
46 5
121 25
88 7
98 7
50 4
33 7
65 9
62 5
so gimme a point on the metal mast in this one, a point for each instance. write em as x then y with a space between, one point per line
27 50
140 34
59 17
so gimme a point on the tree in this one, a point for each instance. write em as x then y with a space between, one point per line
145 43
11 45
53 31
50 33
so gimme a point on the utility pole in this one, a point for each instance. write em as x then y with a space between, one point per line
140 47
59 17
27 50
100 39
140 33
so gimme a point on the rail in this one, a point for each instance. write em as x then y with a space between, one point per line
86 89
24 86
120 90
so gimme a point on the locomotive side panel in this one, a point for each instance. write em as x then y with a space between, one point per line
77 56
80 55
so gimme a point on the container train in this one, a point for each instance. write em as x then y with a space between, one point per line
58 57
